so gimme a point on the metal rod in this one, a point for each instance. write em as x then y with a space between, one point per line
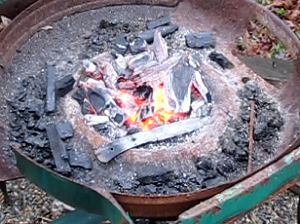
251 136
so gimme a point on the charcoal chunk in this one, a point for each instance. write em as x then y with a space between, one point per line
97 99
200 40
58 150
149 189
143 92
161 21
165 31
80 159
121 44
224 167
51 80
65 130
154 174
64 85
138 45
79 95
35 106
214 182
221 60
36 141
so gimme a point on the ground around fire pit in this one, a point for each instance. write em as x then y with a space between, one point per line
82 36
29 205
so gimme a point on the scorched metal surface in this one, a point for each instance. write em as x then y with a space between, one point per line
228 15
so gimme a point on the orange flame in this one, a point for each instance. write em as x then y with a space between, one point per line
131 107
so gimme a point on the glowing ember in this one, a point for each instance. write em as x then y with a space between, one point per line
132 106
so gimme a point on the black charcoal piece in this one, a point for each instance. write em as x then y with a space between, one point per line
138 45
79 95
80 159
214 182
146 112
208 98
221 60
36 141
165 31
58 150
99 99
153 174
65 130
200 40
64 85
143 92
121 44
35 106
224 167
139 60
51 80
161 21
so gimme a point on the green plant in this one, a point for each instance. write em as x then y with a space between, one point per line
298 34
280 12
277 50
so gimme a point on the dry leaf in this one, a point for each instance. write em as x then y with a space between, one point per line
47 28
5 21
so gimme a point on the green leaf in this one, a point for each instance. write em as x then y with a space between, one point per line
298 34
280 12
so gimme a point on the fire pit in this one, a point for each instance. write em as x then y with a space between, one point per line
144 102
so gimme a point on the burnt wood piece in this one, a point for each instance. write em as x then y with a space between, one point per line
51 80
99 99
139 60
138 45
79 95
65 130
64 85
160 47
221 60
200 40
110 151
58 150
80 159
165 31
121 44
179 86
115 114
161 21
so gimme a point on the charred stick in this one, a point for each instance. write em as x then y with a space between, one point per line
110 151
51 86
251 136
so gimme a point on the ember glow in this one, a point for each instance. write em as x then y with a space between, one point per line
157 115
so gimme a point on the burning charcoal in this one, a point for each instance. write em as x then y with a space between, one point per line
139 60
178 88
65 130
99 99
161 21
58 150
64 85
221 60
165 31
143 92
95 119
79 95
160 47
138 45
121 44
116 115
200 86
200 40
51 76
80 159
146 112
86 107
126 84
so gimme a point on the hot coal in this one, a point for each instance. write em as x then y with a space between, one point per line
161 21
165 31
221 60
65 130
64 85
143 92
146 112
51 80
200 40
178 89
121 44
138 45
58 149
80 158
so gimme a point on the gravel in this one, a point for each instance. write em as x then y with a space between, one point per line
29 205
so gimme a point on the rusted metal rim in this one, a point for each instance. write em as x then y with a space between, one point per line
44 12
